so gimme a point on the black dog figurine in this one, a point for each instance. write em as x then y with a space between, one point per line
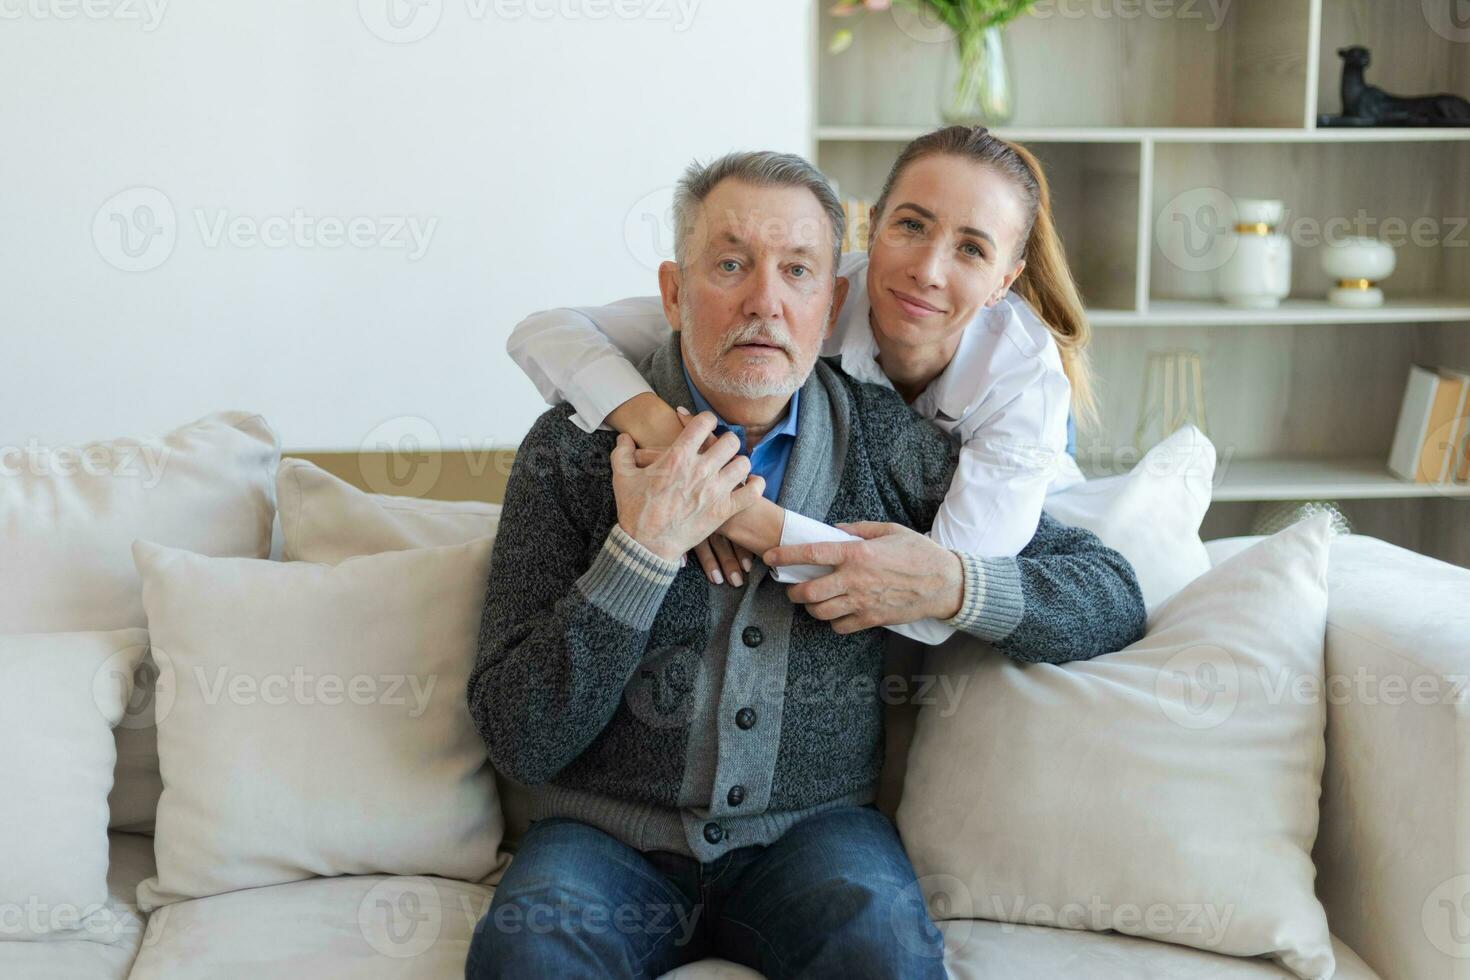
1369 105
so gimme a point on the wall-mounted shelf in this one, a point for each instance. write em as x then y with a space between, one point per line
1348 478
1191 313
902 134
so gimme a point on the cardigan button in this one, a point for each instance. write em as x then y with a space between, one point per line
752 636
736 796
713 833
745 718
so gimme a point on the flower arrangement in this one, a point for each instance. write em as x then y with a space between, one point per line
967 18
977 87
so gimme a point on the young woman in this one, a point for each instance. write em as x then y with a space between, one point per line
963 303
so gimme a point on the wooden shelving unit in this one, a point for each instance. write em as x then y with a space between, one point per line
1149 114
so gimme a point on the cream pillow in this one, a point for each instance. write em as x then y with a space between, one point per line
1168 790
68 516
312 719
60 696
1152 514
325 518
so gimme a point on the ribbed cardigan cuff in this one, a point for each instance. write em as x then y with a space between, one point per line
627 581
994 601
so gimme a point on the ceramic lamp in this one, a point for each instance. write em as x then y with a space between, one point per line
1257 273
1356 265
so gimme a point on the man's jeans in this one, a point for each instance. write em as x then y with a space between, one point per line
835 896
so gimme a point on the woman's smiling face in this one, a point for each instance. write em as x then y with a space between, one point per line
944 247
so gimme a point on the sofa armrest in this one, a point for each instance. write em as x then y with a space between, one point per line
1393 848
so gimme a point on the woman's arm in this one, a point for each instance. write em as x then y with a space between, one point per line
587 355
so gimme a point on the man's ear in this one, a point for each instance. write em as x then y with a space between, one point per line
668 287
839 296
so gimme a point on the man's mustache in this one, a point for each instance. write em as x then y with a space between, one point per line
759 331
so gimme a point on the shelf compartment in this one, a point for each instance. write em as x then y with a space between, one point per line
1189 313
1342 478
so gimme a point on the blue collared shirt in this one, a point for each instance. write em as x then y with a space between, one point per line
768 458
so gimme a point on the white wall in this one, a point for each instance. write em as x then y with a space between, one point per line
524 137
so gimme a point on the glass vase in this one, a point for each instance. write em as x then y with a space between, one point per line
977 88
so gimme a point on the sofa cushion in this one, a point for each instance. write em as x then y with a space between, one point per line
1167 790
325 518
61 694
1151 514
69 514
317 721
321 517
378 927
78 959
980 950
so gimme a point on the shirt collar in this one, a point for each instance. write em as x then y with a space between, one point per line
787 426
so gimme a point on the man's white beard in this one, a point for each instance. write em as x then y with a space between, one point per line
727 382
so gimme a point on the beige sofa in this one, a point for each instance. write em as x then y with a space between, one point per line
1389 844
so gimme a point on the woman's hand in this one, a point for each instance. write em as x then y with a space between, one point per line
895 575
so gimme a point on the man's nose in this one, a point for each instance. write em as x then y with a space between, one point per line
763 294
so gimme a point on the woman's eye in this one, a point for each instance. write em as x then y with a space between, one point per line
973 250
911 224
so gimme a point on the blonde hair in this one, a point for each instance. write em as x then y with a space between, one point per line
1046 284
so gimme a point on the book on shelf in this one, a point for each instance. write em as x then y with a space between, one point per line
1431 443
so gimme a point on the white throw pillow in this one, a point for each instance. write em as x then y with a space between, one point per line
1168 790
325 518
1152 514
60 696
69 515
312 719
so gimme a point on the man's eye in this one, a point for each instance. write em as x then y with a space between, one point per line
799 270
729 265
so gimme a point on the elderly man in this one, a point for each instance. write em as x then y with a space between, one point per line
703 760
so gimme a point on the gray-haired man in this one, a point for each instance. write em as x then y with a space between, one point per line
703 760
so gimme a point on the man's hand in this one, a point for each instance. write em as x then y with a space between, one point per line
677 501
896 575
722 559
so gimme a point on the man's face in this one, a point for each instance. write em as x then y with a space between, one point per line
755 294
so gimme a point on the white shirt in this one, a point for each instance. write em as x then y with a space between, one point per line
1004 397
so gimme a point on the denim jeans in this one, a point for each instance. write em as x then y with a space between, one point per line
834 896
